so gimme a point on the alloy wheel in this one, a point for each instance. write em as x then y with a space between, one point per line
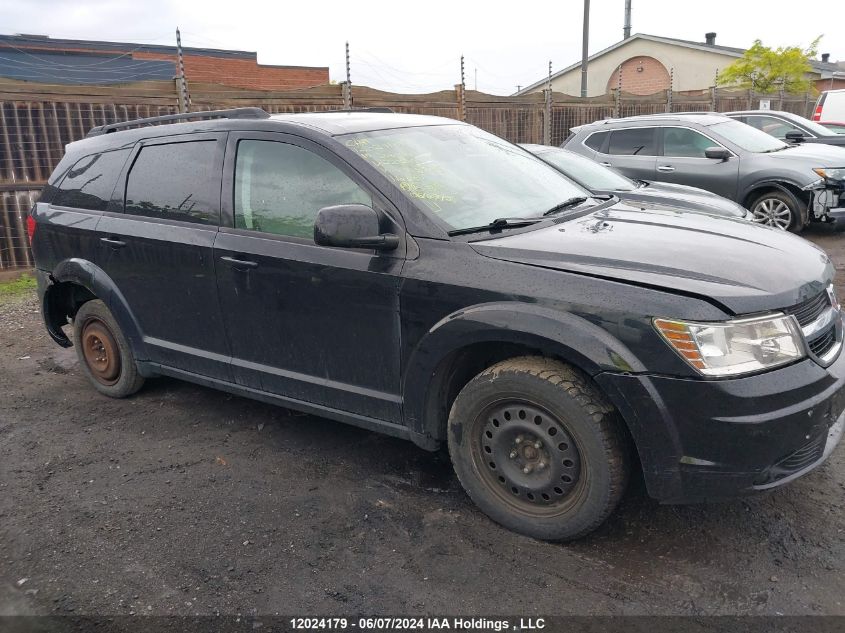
772 212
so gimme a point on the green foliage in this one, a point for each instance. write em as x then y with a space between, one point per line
23 285
762 69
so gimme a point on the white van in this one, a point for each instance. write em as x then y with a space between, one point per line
830 108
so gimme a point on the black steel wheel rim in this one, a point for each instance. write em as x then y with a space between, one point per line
527 457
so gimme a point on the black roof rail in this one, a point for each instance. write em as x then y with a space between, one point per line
233 113
372 109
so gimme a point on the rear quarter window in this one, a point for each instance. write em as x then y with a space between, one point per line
596 141
90 182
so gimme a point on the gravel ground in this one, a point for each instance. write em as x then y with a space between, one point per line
185 500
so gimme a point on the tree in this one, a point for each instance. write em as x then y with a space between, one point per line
763 69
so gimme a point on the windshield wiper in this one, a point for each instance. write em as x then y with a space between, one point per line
571 202
497 224
775 149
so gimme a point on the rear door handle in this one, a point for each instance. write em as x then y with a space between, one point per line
113 242
239 264
665 168
605 164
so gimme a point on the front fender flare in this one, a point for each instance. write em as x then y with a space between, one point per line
568 336
97 282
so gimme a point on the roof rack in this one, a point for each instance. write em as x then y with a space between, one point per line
233 113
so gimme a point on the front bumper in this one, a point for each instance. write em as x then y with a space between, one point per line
702 440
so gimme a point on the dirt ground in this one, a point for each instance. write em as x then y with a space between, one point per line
184 500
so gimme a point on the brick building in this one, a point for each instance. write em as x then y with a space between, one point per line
646 62
43 59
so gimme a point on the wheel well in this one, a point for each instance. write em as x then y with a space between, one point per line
801 196
461 366
65 299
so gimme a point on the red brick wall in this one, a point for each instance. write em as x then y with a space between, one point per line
652 78
825 84
245 73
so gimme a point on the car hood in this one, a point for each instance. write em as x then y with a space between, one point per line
671 196
838 140
821 155
744 267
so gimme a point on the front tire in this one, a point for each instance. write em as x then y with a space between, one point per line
103 352
778 209
538 448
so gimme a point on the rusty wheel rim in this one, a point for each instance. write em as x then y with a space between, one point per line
100 351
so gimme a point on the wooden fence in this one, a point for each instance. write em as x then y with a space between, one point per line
38 120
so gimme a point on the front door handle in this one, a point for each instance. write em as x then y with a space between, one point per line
605 164
239 264
665 168
113 242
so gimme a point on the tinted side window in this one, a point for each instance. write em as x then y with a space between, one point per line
770 125
176 181
90 182
596 141
683 142
633 142
279 188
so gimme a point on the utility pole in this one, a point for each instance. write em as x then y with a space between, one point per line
626 31
347 85
184 95
585 48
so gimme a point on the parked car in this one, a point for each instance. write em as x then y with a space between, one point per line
830 106
788 127
420 277
604 181
784 186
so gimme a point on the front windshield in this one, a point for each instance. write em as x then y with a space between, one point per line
748 138
836 128
816 128
587 172
463 175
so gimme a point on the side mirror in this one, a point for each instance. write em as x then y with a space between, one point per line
352 226
794 136
719 153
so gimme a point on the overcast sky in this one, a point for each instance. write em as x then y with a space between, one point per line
416 47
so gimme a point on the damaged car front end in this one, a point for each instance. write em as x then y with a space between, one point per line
827 195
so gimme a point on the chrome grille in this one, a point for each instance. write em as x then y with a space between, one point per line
821 345
809 311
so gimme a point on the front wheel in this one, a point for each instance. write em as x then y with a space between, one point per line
538 448
778 209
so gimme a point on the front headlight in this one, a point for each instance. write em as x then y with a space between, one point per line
830 173
729 348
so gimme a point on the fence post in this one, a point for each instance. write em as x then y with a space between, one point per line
671 90
347 85
547 117
461 102
617 106
713 98
807 106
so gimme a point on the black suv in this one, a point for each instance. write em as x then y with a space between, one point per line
420 277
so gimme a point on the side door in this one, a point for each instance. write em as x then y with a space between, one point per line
307 322
682 161
156 245
631 151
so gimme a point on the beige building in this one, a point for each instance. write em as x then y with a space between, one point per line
647 61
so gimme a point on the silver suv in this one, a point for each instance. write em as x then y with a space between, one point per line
783 186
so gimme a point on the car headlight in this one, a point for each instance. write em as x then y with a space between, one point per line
830 173
730 348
